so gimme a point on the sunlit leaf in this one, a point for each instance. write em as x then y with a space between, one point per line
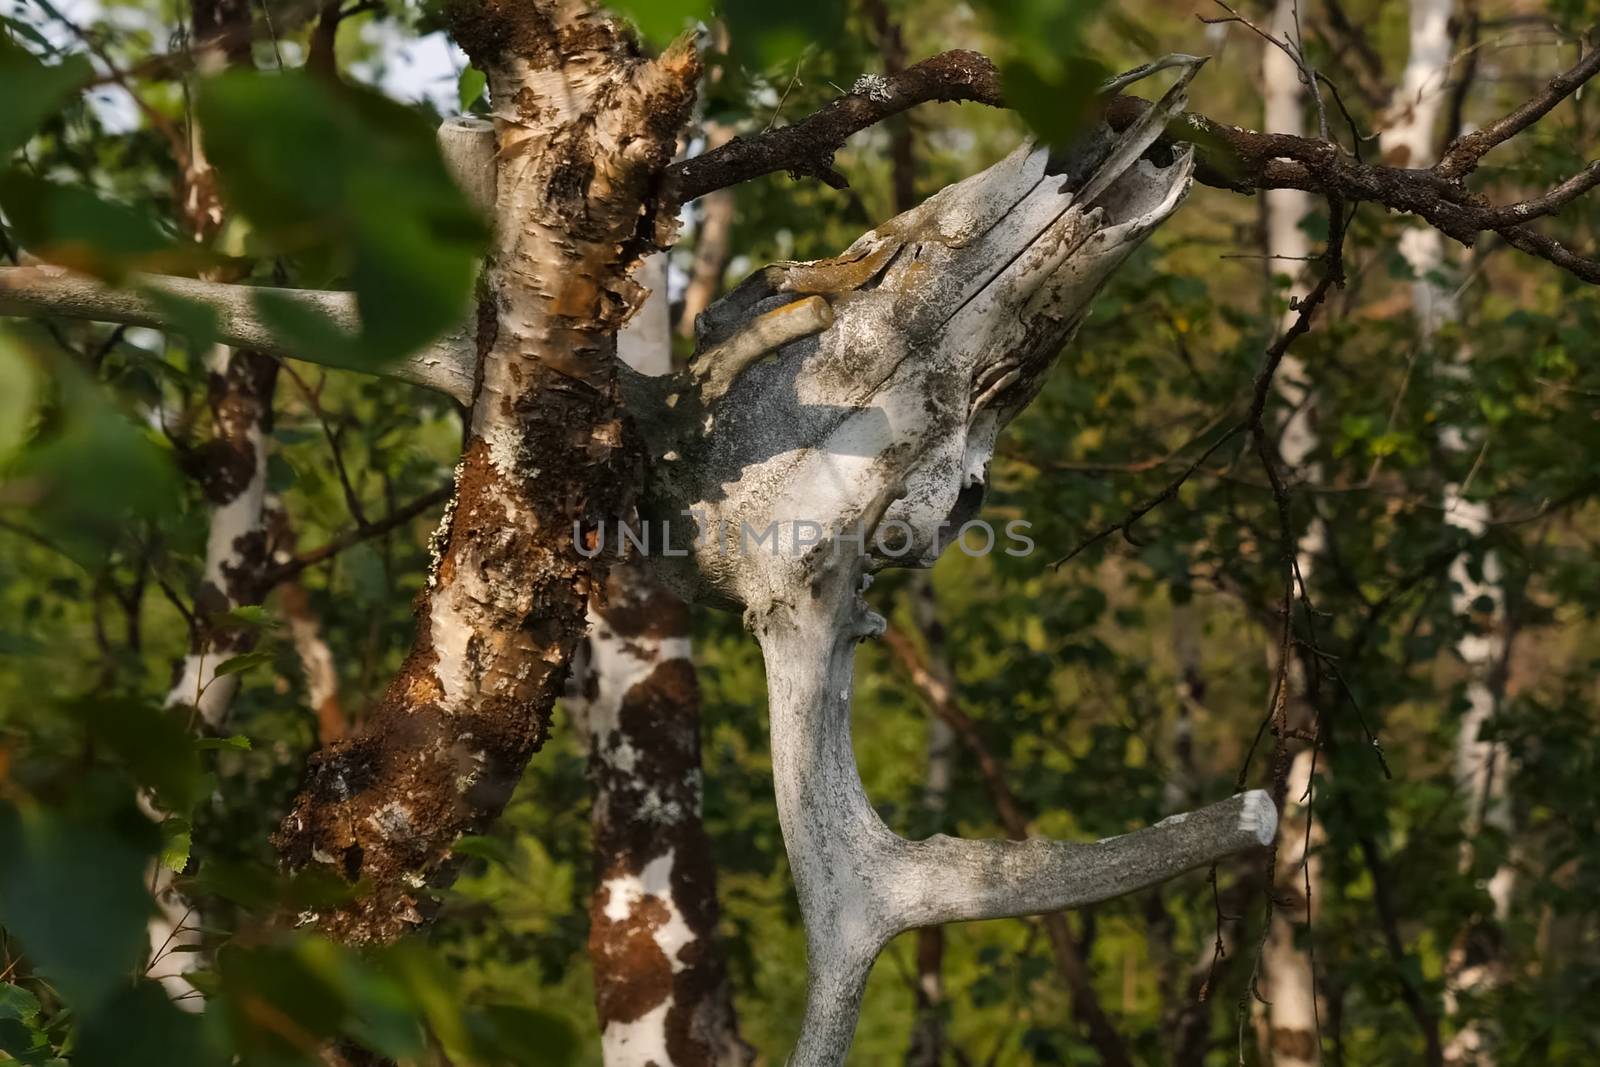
470 87
244 662
19 389
349 177
177 838
235 743
662 20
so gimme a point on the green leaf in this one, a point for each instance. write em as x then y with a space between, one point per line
20 1036
195 321
253 886
513 1034
177 841
470 87
72 891
236 743
19 391
765 34
482 847
243 617
660 21
1056 99
244 662
33 91
141 1027
152 743
351 180
73 227
280 980
18 1004
91 471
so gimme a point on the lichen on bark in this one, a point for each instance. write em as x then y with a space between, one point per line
585 123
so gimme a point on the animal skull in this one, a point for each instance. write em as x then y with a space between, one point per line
867 390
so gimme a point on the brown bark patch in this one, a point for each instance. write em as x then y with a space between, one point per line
632 974
1294 1043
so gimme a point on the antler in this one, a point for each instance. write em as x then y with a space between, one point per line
864 393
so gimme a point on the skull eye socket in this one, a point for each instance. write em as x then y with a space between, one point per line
969 501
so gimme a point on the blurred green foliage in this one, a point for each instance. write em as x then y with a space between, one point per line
1072 674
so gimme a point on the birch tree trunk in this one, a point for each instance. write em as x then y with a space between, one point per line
231 471
1477 597
582 126
1290 980
661 984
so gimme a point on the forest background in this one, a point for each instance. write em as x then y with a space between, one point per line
1092 691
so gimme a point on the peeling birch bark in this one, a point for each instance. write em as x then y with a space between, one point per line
231 470
661 986
1290 990
942 324
585 125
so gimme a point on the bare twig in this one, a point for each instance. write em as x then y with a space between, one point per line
807 146
377 528
1462 157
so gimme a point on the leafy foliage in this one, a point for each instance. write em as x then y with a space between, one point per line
1074 676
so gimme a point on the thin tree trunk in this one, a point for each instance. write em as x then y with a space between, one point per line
305 631
902 147
927 1032
712 239
661 985
1289 976
231 471
584 127
936 686
1480 766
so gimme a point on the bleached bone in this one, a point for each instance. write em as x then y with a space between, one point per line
913 349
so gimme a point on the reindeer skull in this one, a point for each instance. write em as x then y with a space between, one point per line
867 390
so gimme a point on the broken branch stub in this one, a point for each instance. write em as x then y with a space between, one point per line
835 401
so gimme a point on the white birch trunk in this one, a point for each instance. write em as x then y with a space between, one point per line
1480 766
1290 983
661 987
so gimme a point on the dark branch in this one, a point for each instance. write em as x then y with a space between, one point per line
807 146
1227 157
354 536
1462 157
